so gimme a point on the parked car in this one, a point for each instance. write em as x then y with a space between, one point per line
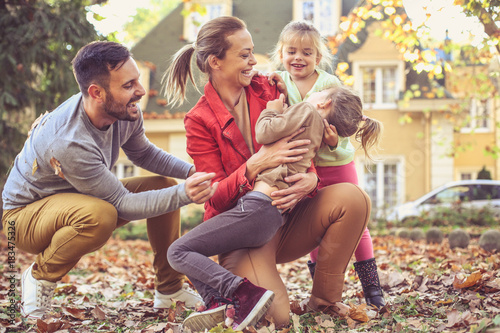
469 193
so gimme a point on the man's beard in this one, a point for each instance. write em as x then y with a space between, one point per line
112 108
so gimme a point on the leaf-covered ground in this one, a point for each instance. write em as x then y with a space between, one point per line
429 288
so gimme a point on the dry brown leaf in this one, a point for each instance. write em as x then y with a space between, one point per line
74 312
98 313
297 308
48 327
358 313
56 165
470 281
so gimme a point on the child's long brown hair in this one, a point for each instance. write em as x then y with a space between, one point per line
347 115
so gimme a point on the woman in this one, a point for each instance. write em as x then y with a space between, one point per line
221 139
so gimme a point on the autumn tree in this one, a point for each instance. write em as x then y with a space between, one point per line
425 54
39 40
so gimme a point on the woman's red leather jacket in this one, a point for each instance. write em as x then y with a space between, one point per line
216 144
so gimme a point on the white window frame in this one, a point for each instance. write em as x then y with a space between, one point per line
474 124
119 169
472 171
381 161
379 65
325 15
194 21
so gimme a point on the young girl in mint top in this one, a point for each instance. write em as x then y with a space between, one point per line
302 51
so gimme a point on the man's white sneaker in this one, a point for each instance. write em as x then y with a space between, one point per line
36 295
185 294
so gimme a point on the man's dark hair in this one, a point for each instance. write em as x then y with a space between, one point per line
93 63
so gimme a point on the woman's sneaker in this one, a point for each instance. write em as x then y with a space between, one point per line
209 318
250 304
36 295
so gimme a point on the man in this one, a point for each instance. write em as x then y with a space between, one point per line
62 198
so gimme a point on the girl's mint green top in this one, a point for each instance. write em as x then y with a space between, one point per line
326 156
324 80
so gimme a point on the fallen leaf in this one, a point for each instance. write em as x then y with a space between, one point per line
56 165
358 313
74 312
34 167
470 281
98 313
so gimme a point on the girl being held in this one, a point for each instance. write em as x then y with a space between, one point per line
302 52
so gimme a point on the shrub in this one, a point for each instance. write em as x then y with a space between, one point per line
458 238
434 236
191 216
456 215
490 240
132 230
417 234
403 233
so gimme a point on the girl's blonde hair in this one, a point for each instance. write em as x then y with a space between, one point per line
211 40
346 114
299 32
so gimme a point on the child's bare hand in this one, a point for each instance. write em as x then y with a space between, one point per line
277 104
275 78
330 135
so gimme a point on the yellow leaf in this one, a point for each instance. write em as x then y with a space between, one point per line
343 66
35 167
389 10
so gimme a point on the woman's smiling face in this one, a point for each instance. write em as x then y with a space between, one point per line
239 60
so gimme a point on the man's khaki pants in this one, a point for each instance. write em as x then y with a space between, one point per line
63 227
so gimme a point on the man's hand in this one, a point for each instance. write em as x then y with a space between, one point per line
330 136
199 188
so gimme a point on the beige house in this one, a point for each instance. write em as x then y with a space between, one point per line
415 155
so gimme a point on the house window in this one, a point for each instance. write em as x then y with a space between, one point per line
207 10
378 84
323 14
465 175
124 170
383 182
479 117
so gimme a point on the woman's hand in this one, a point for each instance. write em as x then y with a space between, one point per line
272 155
199 188
302 185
